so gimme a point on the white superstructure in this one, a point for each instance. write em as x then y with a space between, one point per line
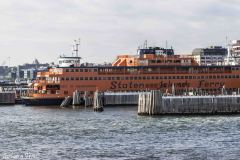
74 61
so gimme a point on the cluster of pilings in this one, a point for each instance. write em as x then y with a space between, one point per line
154 103
98 101
77 99
150 103
88 100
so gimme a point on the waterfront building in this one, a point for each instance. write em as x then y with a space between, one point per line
213 55
233 57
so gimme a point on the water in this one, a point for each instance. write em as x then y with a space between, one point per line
116 133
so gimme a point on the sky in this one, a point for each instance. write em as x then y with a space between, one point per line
45 29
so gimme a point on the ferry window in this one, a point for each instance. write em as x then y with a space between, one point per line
157 77
214 77
67 78
81 78
67 70
99 78
148 77
118 78
237 76
139 78
85 70
190 77
95 78
233 76
226 76
210 77
104 78
135 78
153 77
86 78
229 76
122 78
95 70
91 92
144 77
72 70
127 78
72 78
177 77
186 77
81 70
77 78
90 78
76 70
222 76
109 78
218 76
62 78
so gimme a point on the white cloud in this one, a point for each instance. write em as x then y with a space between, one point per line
44 28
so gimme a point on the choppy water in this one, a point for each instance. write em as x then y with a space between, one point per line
116 133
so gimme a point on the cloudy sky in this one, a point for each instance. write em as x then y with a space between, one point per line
44 29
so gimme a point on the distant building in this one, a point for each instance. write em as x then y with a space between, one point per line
213 55
233 57
29 71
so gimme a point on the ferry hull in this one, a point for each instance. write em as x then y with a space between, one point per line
42 102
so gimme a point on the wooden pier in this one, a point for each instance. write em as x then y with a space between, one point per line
154 103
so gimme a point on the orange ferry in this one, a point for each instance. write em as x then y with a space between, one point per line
152 69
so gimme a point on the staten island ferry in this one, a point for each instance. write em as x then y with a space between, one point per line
152 68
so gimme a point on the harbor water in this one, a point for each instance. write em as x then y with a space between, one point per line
116 133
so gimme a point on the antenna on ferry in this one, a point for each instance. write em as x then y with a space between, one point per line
73 49
166 46
226 41
77 43
145 44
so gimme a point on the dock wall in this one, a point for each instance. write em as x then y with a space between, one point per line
7 97
154 103
121 98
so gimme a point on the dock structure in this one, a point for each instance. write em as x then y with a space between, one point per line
121 98
154 103
77 99
66 102
7 98
98 101
88 100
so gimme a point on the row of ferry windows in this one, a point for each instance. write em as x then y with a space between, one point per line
150 77
95 70
81 70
